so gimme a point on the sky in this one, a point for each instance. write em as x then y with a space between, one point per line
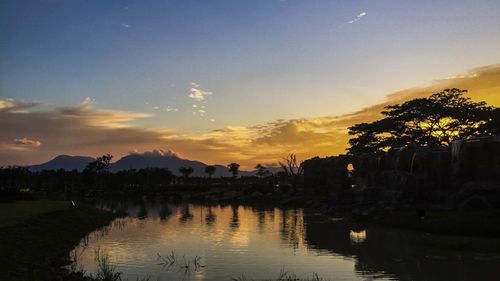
224 81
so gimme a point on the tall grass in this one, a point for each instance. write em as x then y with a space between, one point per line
105 270
187 265
283 276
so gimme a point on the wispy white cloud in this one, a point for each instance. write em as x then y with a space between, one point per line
358 17
198 94
27 142
126 25
170 109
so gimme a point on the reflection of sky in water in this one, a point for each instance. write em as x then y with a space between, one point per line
257 243
357 236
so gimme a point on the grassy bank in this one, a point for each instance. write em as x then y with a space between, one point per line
37 236
485 223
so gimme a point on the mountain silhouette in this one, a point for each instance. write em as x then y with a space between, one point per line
65 162
149 159
163 159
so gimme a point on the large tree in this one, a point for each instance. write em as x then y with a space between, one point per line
435 121
233 168
210 170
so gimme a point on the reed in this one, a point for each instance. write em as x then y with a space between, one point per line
283 276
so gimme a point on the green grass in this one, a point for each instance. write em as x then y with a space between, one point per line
37 236
12 213
478 223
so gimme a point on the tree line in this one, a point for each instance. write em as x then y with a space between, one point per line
96 177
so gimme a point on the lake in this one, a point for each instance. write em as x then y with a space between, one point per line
201 242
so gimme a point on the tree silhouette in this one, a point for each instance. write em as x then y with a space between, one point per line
233 168
186 171
210 170
100 164
290 165
435 121
262 171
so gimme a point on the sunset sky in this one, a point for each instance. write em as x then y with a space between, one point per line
223 81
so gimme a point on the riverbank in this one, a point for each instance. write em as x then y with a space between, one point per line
37 236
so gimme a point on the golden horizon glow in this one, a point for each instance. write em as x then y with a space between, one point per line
91 131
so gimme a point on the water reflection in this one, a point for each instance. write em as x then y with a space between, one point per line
210 217
257 242
165 211
143 212
405 255
235 220
357 236
186 214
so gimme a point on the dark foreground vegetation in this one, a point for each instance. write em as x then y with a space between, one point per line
37 236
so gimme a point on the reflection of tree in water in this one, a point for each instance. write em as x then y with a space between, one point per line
210 217
186 214
402 255
143 211
292 227
235 219
261 220
165 211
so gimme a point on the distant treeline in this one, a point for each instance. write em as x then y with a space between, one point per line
21 179
19 182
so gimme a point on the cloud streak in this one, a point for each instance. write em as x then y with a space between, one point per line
358 17
27 142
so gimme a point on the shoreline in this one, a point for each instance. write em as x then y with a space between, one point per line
38 248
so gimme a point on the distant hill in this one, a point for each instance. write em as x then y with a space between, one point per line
163 159
65 162
150 159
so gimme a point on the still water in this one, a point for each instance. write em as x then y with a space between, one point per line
196 242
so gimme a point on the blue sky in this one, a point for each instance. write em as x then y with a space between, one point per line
260 60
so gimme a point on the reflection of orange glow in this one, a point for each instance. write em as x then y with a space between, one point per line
350 168
357 236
